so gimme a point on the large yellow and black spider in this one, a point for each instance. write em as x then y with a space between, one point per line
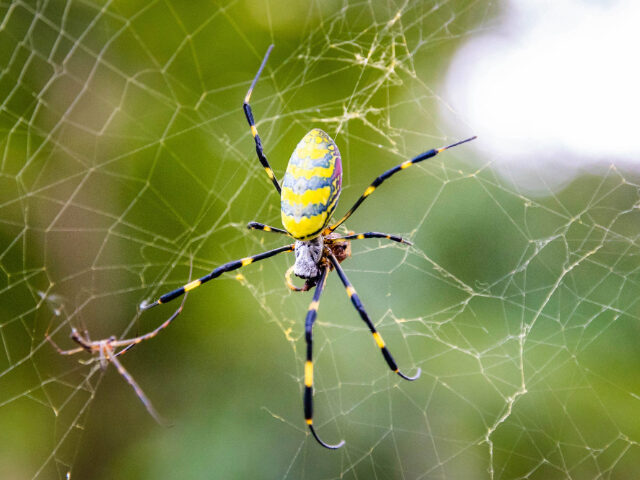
309 195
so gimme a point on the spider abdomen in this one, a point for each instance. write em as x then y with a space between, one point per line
311 185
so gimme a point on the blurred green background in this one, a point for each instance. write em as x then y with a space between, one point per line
126 162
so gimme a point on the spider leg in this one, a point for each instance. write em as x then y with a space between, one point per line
360 236
308 366
129 343
108 352
124 350
215 273
376 183
266 228
252 124
365 317
64 352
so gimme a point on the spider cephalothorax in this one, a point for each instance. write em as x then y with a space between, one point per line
308 256
313 255
308 197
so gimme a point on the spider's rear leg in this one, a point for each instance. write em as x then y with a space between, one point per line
355 300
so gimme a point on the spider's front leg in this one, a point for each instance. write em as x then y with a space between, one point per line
378 181
215 273
75 336
252 125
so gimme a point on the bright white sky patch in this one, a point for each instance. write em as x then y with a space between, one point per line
555 89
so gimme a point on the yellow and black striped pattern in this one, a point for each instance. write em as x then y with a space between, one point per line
215 273
308 364
252 125
362 236
378 181
355 300
311 185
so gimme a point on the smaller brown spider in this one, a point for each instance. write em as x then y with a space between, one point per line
108 350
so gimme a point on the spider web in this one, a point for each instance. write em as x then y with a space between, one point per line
126 164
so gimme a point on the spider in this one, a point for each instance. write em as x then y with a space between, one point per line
309 195
107 351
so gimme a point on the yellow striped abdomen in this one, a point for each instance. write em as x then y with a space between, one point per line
311 185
